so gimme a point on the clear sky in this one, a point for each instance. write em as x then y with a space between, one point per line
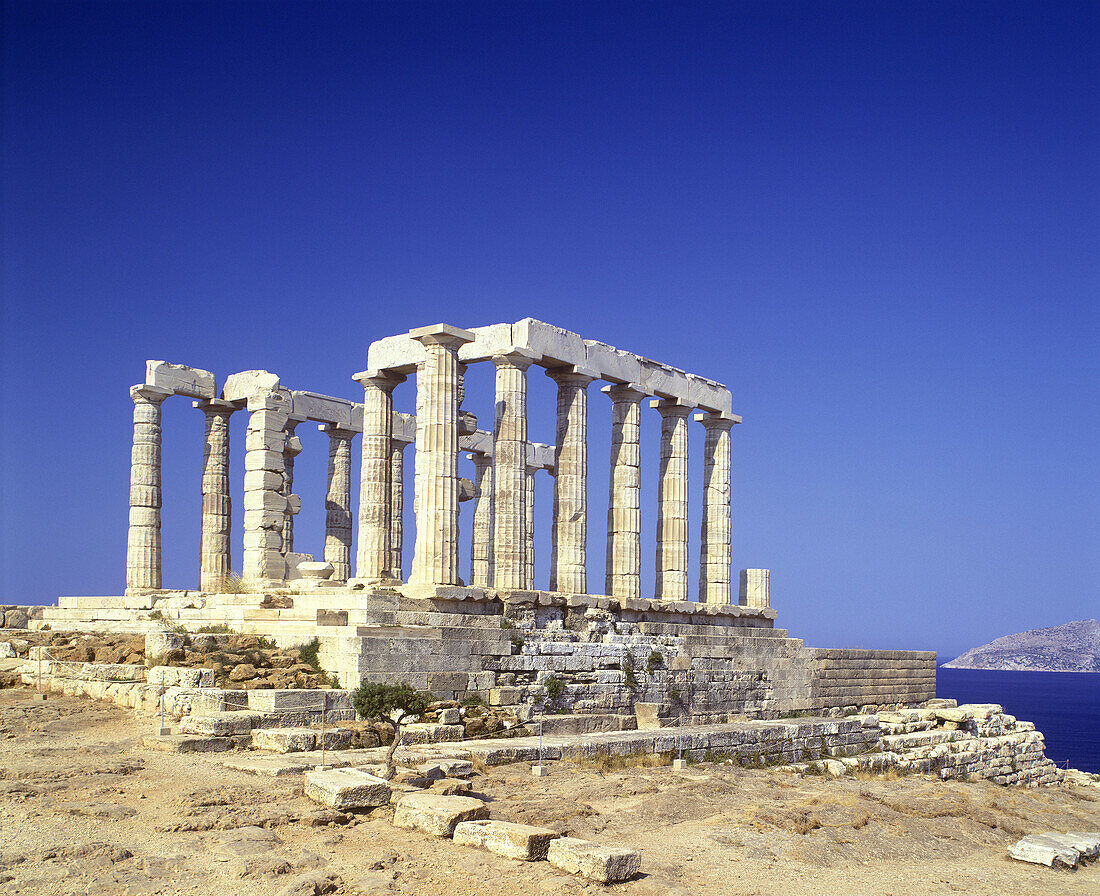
878 223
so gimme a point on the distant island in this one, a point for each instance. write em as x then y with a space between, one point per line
1073 647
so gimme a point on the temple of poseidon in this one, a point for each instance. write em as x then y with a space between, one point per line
713 653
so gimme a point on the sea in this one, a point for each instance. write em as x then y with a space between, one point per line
1065 706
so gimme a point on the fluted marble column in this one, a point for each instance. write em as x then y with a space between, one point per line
671 582
481 542
373 552
397 507
624 513
529 528
265 499
143 545
510 569
215 553
435 556
569 538
714 544
291 449
338 502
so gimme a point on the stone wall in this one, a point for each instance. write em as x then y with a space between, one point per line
855 678
18 616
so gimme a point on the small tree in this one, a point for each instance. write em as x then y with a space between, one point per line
393 704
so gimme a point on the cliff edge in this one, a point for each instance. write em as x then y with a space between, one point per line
1073 647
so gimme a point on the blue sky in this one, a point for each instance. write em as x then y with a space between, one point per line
878 223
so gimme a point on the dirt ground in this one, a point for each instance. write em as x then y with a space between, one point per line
85 808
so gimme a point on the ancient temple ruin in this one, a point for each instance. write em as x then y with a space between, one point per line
712 652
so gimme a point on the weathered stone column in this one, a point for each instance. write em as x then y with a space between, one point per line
338 502
265 501
215 554
624 509
373 554
435 557
529 528
672 503
481 542
143 547
291 449
714 544
754 588
510 472
397 507
569 539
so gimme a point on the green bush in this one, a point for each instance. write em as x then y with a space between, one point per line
555 687
627 667
655 661
307 653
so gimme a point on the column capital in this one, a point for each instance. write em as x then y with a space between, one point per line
572 375
717 421
519 358
215 406
149 394
442 334
670 407
385 380
624 392
335 431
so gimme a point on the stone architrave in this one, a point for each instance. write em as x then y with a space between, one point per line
265 500
338 502
291 449
624 513
529 527
569 538
715 541
373 555
481 542
215 555
435 555
397 507
671 582
510 569
143 545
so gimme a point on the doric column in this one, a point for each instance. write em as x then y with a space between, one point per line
569 538
624 513
143 540
338 501
215 556
291 449
672 503
510 472
529 527
265 501
714 543
754 588
373 555
481 542
435 557
397 506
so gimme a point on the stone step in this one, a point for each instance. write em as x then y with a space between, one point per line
190 743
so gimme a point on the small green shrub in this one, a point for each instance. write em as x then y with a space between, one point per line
555 687
472 700
307 653
654 662
220 629
517 643
627 667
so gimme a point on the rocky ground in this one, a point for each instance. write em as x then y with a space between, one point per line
85 808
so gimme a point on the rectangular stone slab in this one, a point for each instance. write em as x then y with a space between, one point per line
435 814
605 864
346 788
514 841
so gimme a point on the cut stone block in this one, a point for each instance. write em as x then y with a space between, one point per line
346 788
179 677
1045 849
284 740
450 717
221 724
187 743
456 768
179 379
514 841
605 864
436 814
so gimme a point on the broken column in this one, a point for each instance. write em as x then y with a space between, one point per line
624 513
671 582
373 557
569 540
510 569
338 501
143 546
481 542
754 588
714 544
292 447
397 506
215 555
435 556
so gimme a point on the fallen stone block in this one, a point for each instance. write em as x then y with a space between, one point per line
437 814
188 743
1085 842
284 740
451 786
514 841
1045 849
605 864
220 724
346 788
430 733
456 768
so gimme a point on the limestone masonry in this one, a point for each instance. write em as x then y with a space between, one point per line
707 653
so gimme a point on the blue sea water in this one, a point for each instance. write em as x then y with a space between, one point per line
1065 706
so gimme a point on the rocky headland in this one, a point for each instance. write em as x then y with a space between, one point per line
1072 647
